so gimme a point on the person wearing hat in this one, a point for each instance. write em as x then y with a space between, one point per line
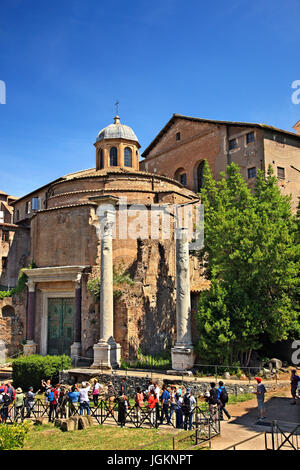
19 404
260 394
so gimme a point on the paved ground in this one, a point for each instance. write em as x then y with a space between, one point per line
243 425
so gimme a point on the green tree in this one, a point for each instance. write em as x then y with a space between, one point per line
251 242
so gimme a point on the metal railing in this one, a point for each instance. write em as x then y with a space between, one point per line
109 412
238 444
282 439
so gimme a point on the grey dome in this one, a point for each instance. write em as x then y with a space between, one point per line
117 131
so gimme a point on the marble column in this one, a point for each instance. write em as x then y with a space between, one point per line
106 352
183 353
76 346
3 352
30 346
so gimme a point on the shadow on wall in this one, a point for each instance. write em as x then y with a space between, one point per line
157 327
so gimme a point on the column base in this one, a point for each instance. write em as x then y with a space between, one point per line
75 353
107 355
29 348
183 358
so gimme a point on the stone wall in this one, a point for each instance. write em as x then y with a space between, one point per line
13 323
198 388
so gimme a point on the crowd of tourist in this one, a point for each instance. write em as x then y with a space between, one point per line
159 405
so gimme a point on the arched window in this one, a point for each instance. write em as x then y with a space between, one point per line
127 157
113 156
198 176
181 176
101 159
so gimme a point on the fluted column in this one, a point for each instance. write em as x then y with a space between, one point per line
30 346
182 353
106 351
76 346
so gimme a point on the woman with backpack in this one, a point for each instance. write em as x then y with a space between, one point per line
223 399
53 400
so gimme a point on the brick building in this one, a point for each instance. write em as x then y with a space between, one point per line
57 230
7 232
180 148
56 226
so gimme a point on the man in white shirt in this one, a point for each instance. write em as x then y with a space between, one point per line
84 398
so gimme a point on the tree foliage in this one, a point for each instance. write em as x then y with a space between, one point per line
251 242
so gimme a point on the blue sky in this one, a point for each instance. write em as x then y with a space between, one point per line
66 62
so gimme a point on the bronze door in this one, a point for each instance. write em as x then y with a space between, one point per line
60 325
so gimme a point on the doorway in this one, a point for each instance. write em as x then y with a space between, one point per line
60 325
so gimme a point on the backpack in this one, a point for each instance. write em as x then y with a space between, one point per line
224 396
6 399
51 396
213 399
186 404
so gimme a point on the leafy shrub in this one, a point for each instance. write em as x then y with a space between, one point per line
21 284
93 286
13 436
30 370
120 277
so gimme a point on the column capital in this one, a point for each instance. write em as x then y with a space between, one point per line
78 280
31 285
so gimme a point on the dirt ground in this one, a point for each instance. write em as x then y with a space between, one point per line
244 419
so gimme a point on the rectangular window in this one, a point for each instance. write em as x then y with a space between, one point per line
232 144
250 138
178 136
280 173
252 172
27 208
183 179
5 236
35 203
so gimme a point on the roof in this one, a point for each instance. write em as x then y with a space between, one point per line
35 191
5 224
211 121
117 131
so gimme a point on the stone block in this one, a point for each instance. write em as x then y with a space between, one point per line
69 425
90 420
75 420
58 422
83 422
41 421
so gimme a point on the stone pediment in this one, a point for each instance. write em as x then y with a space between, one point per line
54 274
